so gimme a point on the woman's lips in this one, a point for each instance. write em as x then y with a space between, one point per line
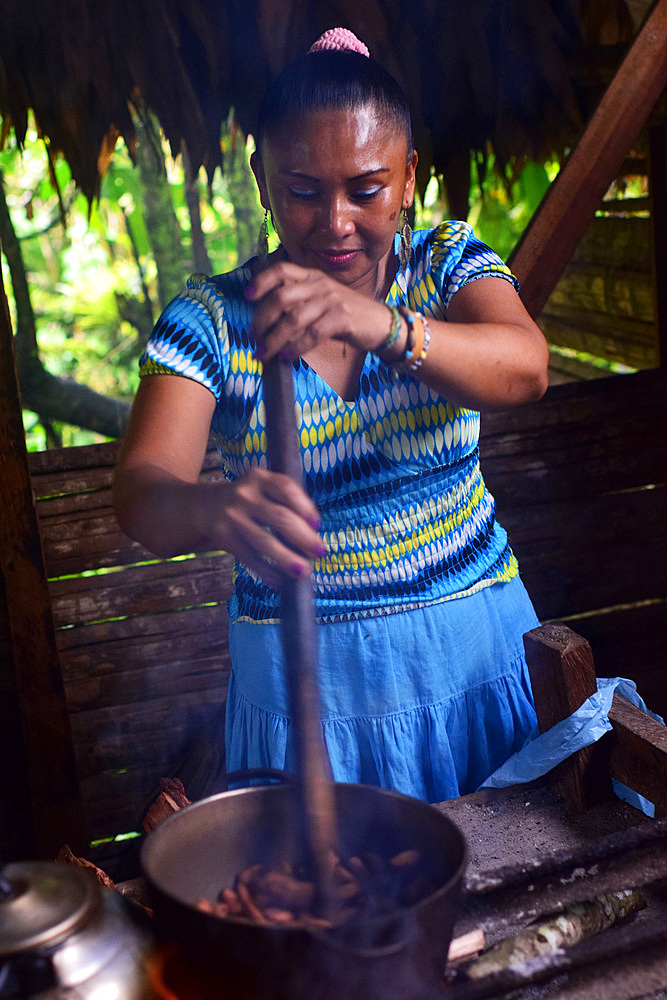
336 258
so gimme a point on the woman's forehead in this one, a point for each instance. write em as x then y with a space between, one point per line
345 132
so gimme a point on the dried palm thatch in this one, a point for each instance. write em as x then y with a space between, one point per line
487 75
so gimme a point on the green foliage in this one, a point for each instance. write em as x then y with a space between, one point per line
91 269
503 203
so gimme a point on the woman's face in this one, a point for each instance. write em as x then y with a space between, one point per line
335 182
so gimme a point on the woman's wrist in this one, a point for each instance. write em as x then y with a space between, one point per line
406 345
393 346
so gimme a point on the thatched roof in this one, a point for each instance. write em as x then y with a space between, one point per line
482 74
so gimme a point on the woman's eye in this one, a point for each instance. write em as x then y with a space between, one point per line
302 193
365 193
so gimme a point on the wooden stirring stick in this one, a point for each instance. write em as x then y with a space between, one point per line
315 799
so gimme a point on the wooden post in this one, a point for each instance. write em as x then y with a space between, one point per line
56 806
557 227
658 193
562 675
638 754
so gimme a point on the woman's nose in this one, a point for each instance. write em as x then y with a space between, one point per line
340 217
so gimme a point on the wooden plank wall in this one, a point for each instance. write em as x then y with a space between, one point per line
143 643
580 484
603 303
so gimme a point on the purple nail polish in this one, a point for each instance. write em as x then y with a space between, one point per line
320 551
260 352
250 290
297 570
286 354
315 523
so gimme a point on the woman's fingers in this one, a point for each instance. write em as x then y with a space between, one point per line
272 526
295 309
299 330
273 277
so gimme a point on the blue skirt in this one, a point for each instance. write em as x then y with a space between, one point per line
428 702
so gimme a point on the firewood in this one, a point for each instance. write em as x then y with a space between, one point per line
568 928
66 855
171 798
129 891
466 946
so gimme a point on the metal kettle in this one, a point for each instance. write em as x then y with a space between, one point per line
64 937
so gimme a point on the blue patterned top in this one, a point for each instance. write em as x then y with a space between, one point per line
406 517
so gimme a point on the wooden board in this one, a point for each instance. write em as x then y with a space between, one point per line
143 642
580 485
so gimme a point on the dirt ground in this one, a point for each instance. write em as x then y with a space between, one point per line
510 826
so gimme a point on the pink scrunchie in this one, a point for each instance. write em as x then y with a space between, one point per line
341 40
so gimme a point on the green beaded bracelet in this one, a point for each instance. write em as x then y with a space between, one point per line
393 335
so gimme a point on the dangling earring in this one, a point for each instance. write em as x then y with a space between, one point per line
263 238
405 245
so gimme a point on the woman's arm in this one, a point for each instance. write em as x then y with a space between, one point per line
489 354
159 501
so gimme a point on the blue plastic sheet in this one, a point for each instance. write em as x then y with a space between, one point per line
542 751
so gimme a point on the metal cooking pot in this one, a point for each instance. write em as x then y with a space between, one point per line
200 850
63 937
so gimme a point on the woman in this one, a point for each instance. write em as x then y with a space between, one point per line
422 678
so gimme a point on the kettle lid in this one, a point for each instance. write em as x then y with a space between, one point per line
42 903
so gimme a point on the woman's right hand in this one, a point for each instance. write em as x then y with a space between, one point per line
264 519
268 522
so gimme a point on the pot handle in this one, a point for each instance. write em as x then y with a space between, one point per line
254 775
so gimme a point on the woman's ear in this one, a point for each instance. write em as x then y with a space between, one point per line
257 168
410 174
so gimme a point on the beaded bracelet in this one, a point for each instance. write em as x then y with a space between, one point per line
424 351
392 336
418 342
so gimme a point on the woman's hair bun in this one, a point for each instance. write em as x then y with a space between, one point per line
340 40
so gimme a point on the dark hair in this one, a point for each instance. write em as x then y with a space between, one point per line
332 79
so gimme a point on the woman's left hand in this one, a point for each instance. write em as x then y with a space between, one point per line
297 308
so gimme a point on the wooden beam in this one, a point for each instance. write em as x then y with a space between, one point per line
560 222
562 675
638 752
56 807
658 194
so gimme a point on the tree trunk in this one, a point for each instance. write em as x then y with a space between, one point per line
243 193
51 397
202 260
164 232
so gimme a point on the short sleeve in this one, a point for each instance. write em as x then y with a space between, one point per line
191 337
458 257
